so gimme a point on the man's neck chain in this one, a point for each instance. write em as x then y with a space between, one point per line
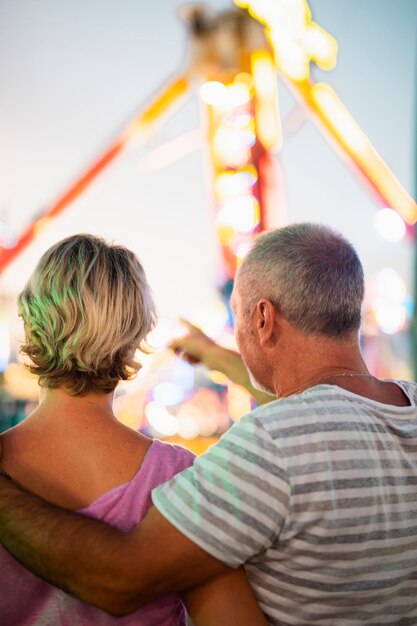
322 378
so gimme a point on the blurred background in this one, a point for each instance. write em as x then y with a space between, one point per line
181 132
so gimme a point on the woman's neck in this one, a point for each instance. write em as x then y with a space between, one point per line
58 402
59 394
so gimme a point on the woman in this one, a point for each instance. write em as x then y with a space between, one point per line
86 309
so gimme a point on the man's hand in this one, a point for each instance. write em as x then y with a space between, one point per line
196 347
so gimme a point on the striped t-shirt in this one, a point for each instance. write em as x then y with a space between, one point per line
317 495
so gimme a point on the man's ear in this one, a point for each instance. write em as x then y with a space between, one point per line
265 315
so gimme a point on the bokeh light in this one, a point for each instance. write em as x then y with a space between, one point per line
390 285
160 420
232 147
8 237
188 427
390 301
390 225
390 316
168 393
230 184
242 214
214 93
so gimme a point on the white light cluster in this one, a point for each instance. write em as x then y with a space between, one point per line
390 225
390 305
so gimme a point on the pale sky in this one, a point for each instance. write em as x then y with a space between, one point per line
72 73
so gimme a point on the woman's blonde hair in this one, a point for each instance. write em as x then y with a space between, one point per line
86 308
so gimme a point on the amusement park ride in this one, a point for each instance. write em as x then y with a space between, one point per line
234 60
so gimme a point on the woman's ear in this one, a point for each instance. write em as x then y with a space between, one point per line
265 320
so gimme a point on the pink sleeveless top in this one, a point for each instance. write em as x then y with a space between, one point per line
26 600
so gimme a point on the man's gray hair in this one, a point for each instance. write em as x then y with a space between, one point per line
311 273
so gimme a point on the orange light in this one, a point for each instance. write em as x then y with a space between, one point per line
41 224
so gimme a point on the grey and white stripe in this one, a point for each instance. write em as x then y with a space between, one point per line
317 495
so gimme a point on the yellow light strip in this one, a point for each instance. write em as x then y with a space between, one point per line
268 119
158 107
337 120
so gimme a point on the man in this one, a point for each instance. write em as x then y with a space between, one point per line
315 493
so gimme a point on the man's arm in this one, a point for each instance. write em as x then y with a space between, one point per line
196 347
114 571
225 601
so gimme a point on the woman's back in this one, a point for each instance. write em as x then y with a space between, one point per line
119 468
72 449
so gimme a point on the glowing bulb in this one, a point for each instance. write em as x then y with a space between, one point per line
161 420
229 184
182 374
242 214
168 394
390 225
238 94
232 147
214 93
208 426
391 317
188 427
391 286
292 59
